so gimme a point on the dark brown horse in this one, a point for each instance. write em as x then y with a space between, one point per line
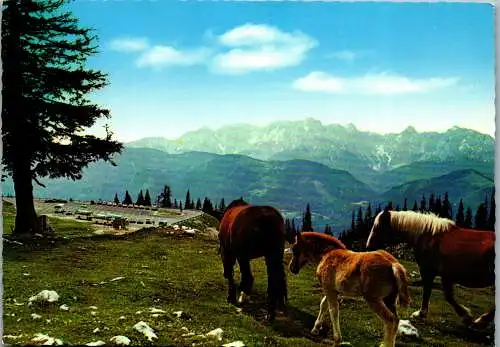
248 232
458 255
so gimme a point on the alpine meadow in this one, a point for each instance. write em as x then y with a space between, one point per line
248 173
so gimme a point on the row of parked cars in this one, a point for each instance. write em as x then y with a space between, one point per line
111 203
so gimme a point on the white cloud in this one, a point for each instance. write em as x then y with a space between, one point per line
161 56
381 84
129 44
345 55
261 47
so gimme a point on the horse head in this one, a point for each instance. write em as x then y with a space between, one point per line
301 253
381 231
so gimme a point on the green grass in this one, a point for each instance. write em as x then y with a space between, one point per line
166 213
175 273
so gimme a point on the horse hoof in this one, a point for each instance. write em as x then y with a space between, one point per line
270 318
243 299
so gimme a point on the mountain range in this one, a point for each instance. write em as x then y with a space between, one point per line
289 164
367 156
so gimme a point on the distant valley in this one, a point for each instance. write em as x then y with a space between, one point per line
290 164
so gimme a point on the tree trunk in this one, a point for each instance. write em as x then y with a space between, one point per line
26 218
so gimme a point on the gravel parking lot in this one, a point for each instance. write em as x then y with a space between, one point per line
134 215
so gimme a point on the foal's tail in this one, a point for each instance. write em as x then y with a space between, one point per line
402 283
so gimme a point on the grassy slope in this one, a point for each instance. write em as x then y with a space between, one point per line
182 274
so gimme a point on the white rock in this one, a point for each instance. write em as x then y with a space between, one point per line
64 307
406 328
93 307
45 295
144 328
156 310
120 340
93 313
234 344
13 336
96 343
117 279
216 333
121 318
96 330
178 314
46 340
35 316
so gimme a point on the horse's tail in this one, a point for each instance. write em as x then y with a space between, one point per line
402 283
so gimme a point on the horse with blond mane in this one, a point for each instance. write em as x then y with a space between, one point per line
248 232
458 255
376 276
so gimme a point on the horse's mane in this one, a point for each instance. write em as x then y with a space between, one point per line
328 239
237 202
419 223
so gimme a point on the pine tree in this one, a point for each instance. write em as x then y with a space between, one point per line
187 202
176 204
378 210
307 220
481 217
432 201
446 208
116 200
353 220
491 216
127 200
437 206
423 204
180 206
389 206
140 199
359 221
294 228
222 205
45 104
397 208
405 205
368 217
460 219
198 204
165 197
468 218
415 207
328 230
147 198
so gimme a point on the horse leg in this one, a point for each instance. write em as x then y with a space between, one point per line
428 281
229 262
323 308
276 285
246 280
333 308
461 311
390 320
484 320
390 302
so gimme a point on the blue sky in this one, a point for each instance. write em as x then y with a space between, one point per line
178 66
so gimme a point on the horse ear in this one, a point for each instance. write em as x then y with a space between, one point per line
299 235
